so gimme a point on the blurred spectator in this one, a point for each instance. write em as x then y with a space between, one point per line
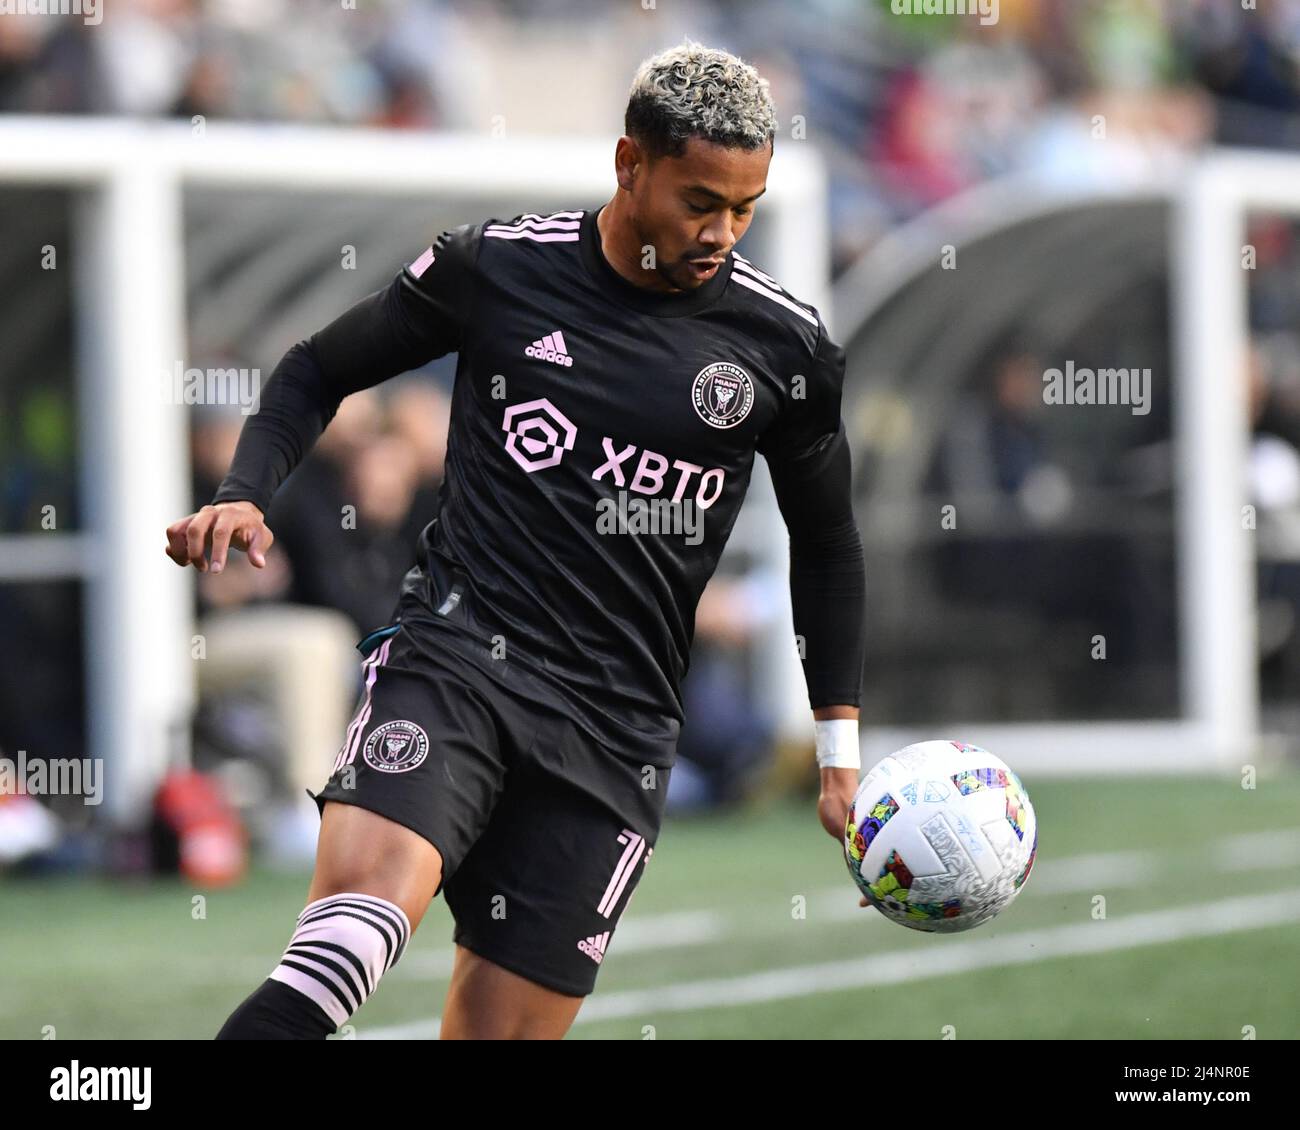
349 517
999 444
727 739
420 413
907 110
1273 484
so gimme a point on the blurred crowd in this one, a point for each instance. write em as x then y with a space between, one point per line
347 520
907 109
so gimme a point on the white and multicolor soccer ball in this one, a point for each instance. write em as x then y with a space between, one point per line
940 836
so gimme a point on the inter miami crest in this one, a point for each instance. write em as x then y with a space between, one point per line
723 394
396 747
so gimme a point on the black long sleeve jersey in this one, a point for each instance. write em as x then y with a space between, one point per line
602 439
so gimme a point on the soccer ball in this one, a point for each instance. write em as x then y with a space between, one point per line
940 836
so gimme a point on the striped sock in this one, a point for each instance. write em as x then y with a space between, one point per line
274 1011
341 947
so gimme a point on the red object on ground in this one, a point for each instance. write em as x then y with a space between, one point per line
212 845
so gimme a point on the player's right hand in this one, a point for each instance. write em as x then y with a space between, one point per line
216 529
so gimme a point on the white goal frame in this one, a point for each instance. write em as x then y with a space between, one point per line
1218 728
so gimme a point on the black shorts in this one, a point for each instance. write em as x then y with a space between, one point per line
543 831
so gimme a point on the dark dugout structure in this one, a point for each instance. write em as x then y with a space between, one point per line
1026 560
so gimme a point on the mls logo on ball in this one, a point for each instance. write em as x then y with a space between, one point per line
396 747
723 394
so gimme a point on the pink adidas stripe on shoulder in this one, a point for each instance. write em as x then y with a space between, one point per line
423 263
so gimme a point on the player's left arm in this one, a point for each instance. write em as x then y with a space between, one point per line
807 452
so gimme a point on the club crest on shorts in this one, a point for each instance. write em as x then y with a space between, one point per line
723 394
396 747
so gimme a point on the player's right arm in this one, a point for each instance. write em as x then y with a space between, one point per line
418 317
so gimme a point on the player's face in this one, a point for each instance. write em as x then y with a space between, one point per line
694 208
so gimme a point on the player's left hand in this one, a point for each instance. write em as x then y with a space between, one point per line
838 788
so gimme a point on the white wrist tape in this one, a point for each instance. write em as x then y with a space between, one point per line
837 744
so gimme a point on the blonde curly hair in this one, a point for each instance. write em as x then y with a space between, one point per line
697 91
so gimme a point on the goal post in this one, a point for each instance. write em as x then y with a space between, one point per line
1209 199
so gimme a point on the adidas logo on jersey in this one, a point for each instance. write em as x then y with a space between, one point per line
594 948
551 348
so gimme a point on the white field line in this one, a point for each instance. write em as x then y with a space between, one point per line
1095 872
948 956
1258 851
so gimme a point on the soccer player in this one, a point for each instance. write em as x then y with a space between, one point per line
617 371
